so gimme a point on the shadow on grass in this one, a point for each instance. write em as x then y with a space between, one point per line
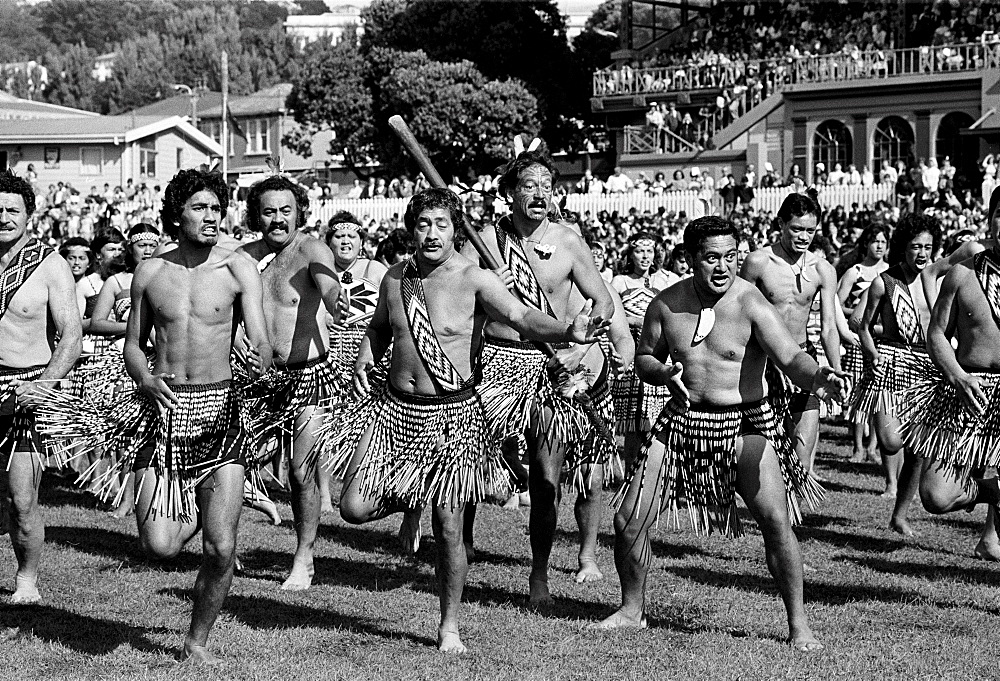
124 547
821 592
857 542
88 635
261 612
59 489
366 576
359 537
987 576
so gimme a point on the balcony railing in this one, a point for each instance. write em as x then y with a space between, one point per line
772 75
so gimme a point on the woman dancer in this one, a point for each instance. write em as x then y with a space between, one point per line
872 246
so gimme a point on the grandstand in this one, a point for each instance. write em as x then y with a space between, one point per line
799 82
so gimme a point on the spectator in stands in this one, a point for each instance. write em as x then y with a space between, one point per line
618 182
836 176
795 179
819 175
769 179
655 120
589 184
867 177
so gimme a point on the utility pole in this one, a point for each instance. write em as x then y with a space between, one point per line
225 117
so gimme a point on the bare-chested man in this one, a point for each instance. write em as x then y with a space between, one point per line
709 338
422 438
37 306
300 288
952 423
193 297
542 261
790 277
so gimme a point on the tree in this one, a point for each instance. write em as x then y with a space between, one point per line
329 93
71 80
20 37
465 121
140 76
100 24
522 40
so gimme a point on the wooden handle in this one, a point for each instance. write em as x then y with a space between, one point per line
411 144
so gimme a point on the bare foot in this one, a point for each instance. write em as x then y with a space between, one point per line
622 620
589 571
409 532
449 642
524 499
198 655
987 551
268 508
122 511
470 553
858 456
238 566
902 526
805 642
326 506
301 576
889 493
25 590
513 503
538 592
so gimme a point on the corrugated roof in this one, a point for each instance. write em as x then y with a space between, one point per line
98 126
180 105
267 101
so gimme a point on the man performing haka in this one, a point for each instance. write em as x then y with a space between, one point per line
184 431
37 307
790 276
708 339
952 421
422 437
300 289
543 261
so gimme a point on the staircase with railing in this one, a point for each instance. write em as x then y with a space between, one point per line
746 84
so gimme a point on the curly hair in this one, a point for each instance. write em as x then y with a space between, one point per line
276 183
184 185
909 227
434 198
12 184
510 172
704 228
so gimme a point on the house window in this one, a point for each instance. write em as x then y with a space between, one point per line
180 158
893 142
213 129
258 132
91 160
147 158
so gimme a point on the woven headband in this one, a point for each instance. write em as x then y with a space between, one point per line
143 236
644 242
350 226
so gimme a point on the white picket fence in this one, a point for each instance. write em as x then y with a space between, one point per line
693 203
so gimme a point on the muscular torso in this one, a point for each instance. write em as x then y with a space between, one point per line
293 305
975 327
26 329
554 274
777 280
728 366
193 316
454 314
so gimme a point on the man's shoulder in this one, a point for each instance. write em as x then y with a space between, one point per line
255 249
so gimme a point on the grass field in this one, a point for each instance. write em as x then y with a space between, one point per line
885 606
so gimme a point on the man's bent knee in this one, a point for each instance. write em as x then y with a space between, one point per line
161 548
353 510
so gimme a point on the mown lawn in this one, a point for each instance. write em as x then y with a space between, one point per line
886 607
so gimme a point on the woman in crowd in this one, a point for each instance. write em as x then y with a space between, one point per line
637 404
871 247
